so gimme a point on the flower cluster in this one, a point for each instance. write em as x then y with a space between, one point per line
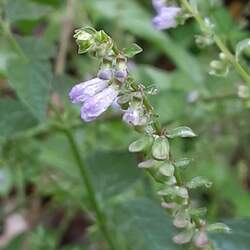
166 15
114 84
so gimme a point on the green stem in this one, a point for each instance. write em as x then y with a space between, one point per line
88 185
220 44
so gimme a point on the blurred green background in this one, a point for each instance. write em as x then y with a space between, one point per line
41 192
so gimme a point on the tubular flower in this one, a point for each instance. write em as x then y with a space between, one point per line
99 103
81 92
166 15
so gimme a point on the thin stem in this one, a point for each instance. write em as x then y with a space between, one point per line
220 44
88 185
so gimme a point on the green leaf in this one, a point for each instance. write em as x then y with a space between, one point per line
113 172
166 169
31 81
144 225
199 181
36 48
240 47
132 50
182 163
15 118
160 148
25 10
239 239
148 164
140 144
219 227
180 132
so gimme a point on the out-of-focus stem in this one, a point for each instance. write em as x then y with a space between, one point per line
220 44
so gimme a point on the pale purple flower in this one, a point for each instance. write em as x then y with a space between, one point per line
105 74
166 18
96 105
83 91
158 4
121 74
135 116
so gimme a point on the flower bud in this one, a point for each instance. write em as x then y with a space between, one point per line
84 39
121 72
105 74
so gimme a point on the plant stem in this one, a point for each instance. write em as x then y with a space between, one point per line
88 185
220 44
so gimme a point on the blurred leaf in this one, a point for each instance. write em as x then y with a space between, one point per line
239 239
113 172
31 81
180 132
36 48
25 10
241 46
14 117
132 50
199 181
145 225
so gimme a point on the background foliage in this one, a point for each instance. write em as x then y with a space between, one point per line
38 176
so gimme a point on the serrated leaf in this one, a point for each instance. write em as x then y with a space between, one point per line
25 10
132 50
199 181
141 144
181 132
31 81
160 148
240 47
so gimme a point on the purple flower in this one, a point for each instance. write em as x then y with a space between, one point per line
135 116
81 92
158 4
166 18
166 15
105 74
96 105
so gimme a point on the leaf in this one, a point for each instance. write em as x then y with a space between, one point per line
15 118
241 46
182 163
160 148
166 169
112 172
199 181
180 132
141 144
144 225
31 81
36 48
132 50
239 239
148 164
219 227
25 10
